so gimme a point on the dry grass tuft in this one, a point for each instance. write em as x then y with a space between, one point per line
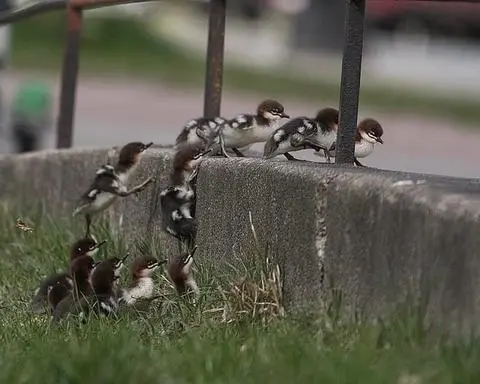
256 292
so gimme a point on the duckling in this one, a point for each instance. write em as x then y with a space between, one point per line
200 131
57 292
369 132
103 301
295 135
180 272
140 293
81 270
87 246
247 129
110 182
178 201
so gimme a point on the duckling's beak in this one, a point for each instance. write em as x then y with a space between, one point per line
125 258
194 249
98 245
201 154
284 115
379 140
146 146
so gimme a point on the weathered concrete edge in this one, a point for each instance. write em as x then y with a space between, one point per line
374 240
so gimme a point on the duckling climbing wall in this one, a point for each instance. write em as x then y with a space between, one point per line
377 236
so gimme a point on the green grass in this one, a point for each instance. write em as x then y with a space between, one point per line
125 47
224 338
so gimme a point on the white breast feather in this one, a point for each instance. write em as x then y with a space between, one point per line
143 289
185 210
363 148
327 139
246 136
102 201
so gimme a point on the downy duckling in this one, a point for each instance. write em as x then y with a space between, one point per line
84 247
327 122
58 291
110 182
178 201
103 301
247 129
199 132
295 135
369 132
180 272
141 290
81 270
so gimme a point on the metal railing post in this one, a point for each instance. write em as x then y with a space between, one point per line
69 78
350 83
215 53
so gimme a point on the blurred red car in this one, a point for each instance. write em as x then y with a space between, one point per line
445 18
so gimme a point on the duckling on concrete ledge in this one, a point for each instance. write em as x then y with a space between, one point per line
110 182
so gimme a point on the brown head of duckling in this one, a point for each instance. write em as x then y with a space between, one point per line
328 119
143 266
81 270
271 110
86 246
130 154
370 130
185 163
180 272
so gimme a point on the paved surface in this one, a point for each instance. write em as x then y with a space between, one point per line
114 111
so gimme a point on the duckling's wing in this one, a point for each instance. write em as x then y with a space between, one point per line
39 302
58 292
106 305
70 306
106 182
207 129
281 135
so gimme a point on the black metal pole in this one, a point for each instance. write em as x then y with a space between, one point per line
69 78
350 83
215 53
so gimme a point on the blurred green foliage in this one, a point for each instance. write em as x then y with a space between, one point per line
108 44
125 46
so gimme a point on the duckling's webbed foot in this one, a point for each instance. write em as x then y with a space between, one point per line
223 151
141 187
327 152
237 152
292 158
88 221
289 156
357 163
327 156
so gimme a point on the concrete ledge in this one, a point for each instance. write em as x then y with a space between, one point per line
376 237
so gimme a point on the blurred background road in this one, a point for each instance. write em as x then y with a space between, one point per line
142 72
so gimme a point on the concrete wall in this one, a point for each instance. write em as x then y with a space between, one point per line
376 239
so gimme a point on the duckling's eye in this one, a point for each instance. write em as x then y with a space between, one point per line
79 249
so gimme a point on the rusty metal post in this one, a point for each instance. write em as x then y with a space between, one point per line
69 78
215 52
350 83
